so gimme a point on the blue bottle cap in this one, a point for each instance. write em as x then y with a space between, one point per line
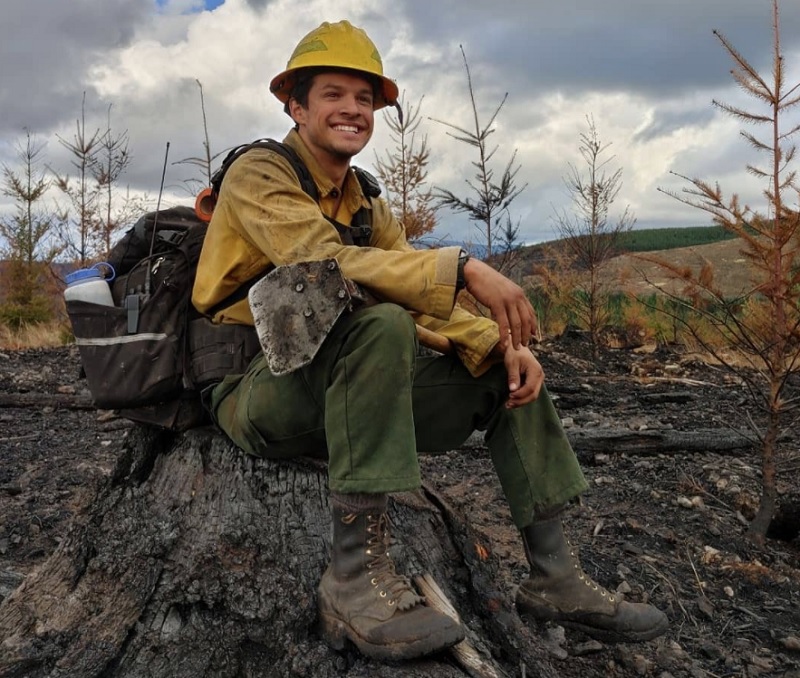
83 275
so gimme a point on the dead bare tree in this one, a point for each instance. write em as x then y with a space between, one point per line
205 161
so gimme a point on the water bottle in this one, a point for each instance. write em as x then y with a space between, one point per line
90 284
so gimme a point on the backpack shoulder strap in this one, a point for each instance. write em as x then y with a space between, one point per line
369 184
303 175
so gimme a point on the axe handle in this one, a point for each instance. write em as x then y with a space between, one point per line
434 341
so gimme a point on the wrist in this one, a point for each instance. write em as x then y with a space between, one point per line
461 280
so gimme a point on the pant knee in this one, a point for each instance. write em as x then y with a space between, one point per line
390 323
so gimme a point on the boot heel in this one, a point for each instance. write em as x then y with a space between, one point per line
333 630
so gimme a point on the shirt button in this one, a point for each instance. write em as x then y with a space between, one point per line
335 193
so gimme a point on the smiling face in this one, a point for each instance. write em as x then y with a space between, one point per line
338 119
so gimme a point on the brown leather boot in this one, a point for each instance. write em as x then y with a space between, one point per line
558 590
362 598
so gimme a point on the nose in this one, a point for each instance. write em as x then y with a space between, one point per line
349 104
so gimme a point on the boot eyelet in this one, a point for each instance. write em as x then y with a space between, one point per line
383 594
373 581
580 576
611 599
368 552
391 603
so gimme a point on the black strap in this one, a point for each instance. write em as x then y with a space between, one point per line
303 175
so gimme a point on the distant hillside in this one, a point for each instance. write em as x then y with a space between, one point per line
644 240
640 277
672 238
652 239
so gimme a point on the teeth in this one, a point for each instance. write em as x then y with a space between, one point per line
346 128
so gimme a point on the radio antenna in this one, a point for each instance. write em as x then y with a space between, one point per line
155 220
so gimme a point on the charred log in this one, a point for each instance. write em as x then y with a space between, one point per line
65 400
589 441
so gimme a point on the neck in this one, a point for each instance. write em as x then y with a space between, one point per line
336 172
335 166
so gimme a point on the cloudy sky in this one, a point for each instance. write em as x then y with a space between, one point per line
645 70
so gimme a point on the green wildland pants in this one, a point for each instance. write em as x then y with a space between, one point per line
369 403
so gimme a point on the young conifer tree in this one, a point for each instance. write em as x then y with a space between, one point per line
114 211
588 231
490 199
79 216
27 232
763 323
404 172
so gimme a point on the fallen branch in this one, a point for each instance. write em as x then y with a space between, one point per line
685 381
464 652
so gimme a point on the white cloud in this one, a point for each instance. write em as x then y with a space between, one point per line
646 72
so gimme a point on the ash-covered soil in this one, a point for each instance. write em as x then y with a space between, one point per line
663 526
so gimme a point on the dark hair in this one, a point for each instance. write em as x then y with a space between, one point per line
305 78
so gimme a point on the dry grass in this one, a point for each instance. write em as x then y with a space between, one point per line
45 335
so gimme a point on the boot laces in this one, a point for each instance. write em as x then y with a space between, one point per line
394 588
585 578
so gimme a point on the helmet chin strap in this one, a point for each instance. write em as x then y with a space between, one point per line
399 110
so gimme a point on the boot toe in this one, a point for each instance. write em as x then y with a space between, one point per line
632 622
419 632
422 625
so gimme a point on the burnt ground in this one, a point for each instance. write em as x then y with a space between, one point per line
668 527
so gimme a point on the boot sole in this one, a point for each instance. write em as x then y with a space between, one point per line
337 632
609 636
596 632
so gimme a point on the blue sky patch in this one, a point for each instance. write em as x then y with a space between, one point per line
206 4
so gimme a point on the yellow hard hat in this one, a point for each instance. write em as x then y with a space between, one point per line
339 45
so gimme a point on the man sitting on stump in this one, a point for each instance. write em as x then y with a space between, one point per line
366 400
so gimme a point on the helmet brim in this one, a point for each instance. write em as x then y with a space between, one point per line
283 84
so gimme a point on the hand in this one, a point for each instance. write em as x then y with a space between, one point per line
506 301
525 376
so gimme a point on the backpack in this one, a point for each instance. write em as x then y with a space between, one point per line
152 355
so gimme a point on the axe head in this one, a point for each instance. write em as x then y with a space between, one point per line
295 307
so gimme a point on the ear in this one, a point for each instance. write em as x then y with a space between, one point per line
297 112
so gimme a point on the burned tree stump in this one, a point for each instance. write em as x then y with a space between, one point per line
197 560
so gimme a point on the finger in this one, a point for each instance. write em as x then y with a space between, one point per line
501 318
527 393
515 323
526 327
514 380
530 316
